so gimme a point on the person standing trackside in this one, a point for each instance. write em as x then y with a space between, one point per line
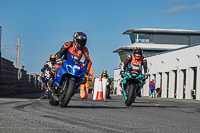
152 87
105 75
84 88
20 72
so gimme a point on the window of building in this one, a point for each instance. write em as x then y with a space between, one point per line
141 38
123 56
144 38
132 38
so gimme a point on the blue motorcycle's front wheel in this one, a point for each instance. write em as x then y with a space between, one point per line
69 86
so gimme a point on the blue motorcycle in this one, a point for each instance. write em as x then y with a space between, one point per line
132 82
67 80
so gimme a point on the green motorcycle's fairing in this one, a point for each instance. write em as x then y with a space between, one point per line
129 76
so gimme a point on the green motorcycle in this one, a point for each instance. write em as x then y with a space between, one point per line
132 82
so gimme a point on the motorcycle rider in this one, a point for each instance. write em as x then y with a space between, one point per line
75 47
48 64
137 56
105 75
84 87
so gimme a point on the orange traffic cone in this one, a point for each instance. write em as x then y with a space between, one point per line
100 90
92 92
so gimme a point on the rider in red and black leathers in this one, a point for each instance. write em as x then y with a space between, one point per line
137 56
75 47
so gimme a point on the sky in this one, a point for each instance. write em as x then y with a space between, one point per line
45 25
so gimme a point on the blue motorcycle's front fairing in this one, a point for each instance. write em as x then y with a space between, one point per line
71 67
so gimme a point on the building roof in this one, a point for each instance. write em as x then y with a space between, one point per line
150 46
188 46
161 30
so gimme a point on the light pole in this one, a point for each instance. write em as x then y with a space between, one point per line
0 52
18 50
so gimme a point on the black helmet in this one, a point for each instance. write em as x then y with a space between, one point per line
80 39
139 51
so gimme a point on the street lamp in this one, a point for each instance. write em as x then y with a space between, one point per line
0 52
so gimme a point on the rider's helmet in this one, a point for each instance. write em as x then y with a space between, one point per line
53 58
137 51
80 39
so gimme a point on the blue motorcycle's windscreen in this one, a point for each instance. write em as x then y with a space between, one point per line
76 66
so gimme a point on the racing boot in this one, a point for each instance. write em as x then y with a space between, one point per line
139 94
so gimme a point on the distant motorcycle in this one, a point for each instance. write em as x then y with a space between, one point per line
46 81
132 82
67 80
108 88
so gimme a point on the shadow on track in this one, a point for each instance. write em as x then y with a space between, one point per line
94 107
27 96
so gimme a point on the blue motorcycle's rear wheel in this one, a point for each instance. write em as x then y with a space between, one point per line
69 87
131 93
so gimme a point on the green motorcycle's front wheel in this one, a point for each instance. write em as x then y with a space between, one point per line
131 93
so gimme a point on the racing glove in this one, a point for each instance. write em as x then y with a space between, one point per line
59 62
87 73
122 74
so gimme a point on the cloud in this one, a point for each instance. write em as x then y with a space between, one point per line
171 3
177 9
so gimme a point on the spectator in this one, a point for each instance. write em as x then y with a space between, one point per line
84 88
115 90
35 76
22 68
152 87
20 72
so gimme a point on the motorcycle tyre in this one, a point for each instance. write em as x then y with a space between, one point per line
131 93
48 96
52 101
69 93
